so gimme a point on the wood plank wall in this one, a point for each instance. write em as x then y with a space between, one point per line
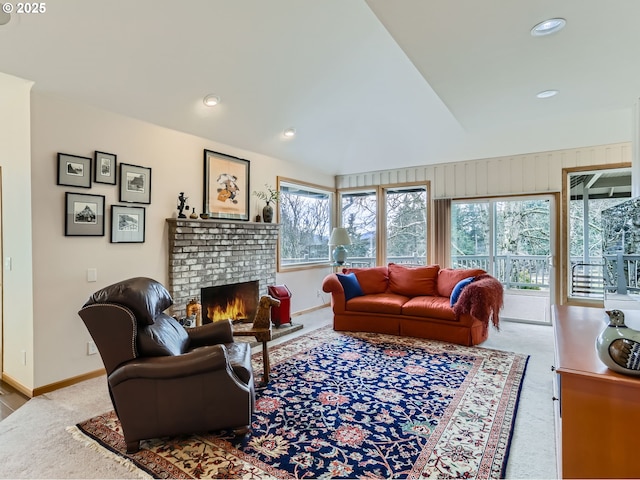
513 175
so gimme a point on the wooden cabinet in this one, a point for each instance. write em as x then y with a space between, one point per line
598 410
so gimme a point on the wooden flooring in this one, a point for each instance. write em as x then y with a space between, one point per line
10 400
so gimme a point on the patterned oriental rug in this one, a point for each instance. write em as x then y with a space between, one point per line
352 406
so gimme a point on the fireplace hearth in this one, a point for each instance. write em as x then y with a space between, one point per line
238 301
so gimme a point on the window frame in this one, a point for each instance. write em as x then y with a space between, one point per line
381 218
311 187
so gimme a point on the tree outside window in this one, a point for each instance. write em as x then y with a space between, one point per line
305 219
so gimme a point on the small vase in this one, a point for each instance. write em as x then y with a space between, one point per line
193 214
267 213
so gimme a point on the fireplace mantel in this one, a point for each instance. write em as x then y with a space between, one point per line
205 253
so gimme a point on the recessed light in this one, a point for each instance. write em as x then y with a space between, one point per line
211 100
289 132
547 93
548 27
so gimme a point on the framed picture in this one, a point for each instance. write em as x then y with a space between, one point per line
74 171
83 215
127 224
226 186
105 167
135 184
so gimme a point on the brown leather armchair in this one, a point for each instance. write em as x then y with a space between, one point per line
164 379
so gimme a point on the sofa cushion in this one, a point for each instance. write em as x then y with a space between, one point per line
371 280
429 307
448 278
350 285
457 290
378 303
413 281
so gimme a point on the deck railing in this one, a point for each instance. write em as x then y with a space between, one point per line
620 273
514 271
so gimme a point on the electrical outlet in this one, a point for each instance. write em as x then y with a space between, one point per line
318 294
91 348
23 354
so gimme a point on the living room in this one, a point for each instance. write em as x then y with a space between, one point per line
44 343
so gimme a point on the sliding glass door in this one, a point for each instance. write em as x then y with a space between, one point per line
510 238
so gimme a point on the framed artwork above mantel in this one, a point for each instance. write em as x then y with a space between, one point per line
226 186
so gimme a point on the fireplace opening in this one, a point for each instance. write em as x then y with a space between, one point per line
236 301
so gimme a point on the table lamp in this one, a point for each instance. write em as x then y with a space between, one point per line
339 238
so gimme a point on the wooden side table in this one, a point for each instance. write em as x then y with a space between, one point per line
263 335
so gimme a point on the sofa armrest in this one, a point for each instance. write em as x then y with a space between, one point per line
332 285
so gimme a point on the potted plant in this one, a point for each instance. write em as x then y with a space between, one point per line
270 195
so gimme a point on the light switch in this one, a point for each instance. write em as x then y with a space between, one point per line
92 275
7 263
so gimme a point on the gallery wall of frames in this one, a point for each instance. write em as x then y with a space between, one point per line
84 213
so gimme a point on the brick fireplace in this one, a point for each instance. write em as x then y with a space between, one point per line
206 253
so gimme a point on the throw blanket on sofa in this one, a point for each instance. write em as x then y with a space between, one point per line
482 299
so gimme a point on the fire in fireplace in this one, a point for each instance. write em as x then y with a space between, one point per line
237 301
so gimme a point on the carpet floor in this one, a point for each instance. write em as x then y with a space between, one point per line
352 406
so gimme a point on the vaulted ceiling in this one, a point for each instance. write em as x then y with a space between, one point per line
368 85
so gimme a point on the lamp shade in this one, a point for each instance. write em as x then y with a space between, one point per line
339 236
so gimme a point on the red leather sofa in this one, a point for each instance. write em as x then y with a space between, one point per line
416 302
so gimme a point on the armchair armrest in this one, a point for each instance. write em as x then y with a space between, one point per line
199 361
210 334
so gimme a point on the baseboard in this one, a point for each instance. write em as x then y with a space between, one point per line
68 382
12 382
309 310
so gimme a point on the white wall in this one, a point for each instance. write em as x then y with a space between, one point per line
16 212
61 263
518 174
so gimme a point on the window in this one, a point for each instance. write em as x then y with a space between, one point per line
359 217
592 267
306 222
406 218
385 224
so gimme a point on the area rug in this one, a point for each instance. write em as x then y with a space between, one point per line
352 406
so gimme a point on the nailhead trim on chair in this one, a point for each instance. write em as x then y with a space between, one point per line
134 337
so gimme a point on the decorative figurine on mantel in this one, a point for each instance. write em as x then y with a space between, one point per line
182 204
618 346
271 195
